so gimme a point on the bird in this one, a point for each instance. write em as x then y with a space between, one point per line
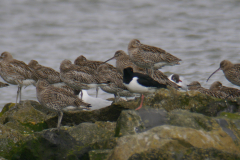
231 72
3 84
116 85
15 72
179 81
83 61
57 99
146 56
195 85
231 92
79 77
140 83
96 103
123 61
43 72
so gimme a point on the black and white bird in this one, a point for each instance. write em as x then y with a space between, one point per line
179 81
140 83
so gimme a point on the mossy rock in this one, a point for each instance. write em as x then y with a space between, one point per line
71 118
8 139
171 99
68 143
174 139
48 144
189 154
133 122
184 118
25 118
99 154
6 108
90 133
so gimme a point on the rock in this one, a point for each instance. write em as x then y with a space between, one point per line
190 154
89 133
177 140
6 108
71 118
171 99
8 139
50 144
184 118
25 118
68 143
128 122
171 125
99 154
132 122
30 116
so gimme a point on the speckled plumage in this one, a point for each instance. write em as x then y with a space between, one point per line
231 92
43 72
79 77
146 56
116 85
230 70
123 61
195 85
56 99
83 61
15 72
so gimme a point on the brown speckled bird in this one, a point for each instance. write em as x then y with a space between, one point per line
82 61
15 72
116 85
231 92
195 85
56 99
43 72
146 56
230 70
79 77
123 61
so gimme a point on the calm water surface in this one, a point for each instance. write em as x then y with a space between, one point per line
201 33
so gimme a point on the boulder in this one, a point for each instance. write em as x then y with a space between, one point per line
171 99
168 141
68 143
30 116
8 139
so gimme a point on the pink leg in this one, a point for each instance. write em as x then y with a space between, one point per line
142 97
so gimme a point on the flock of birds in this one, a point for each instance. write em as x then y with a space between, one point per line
135 73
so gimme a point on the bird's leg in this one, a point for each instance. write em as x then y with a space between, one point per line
97 91
60 115
115 97
81 94
17 95
16 99
118 96
20 94
141 103
152 71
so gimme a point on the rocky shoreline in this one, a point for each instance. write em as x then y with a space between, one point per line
171 125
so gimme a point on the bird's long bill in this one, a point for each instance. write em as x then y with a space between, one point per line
109 60
213 73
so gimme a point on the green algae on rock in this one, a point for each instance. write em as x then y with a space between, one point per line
172 138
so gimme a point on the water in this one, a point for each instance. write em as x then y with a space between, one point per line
201 33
